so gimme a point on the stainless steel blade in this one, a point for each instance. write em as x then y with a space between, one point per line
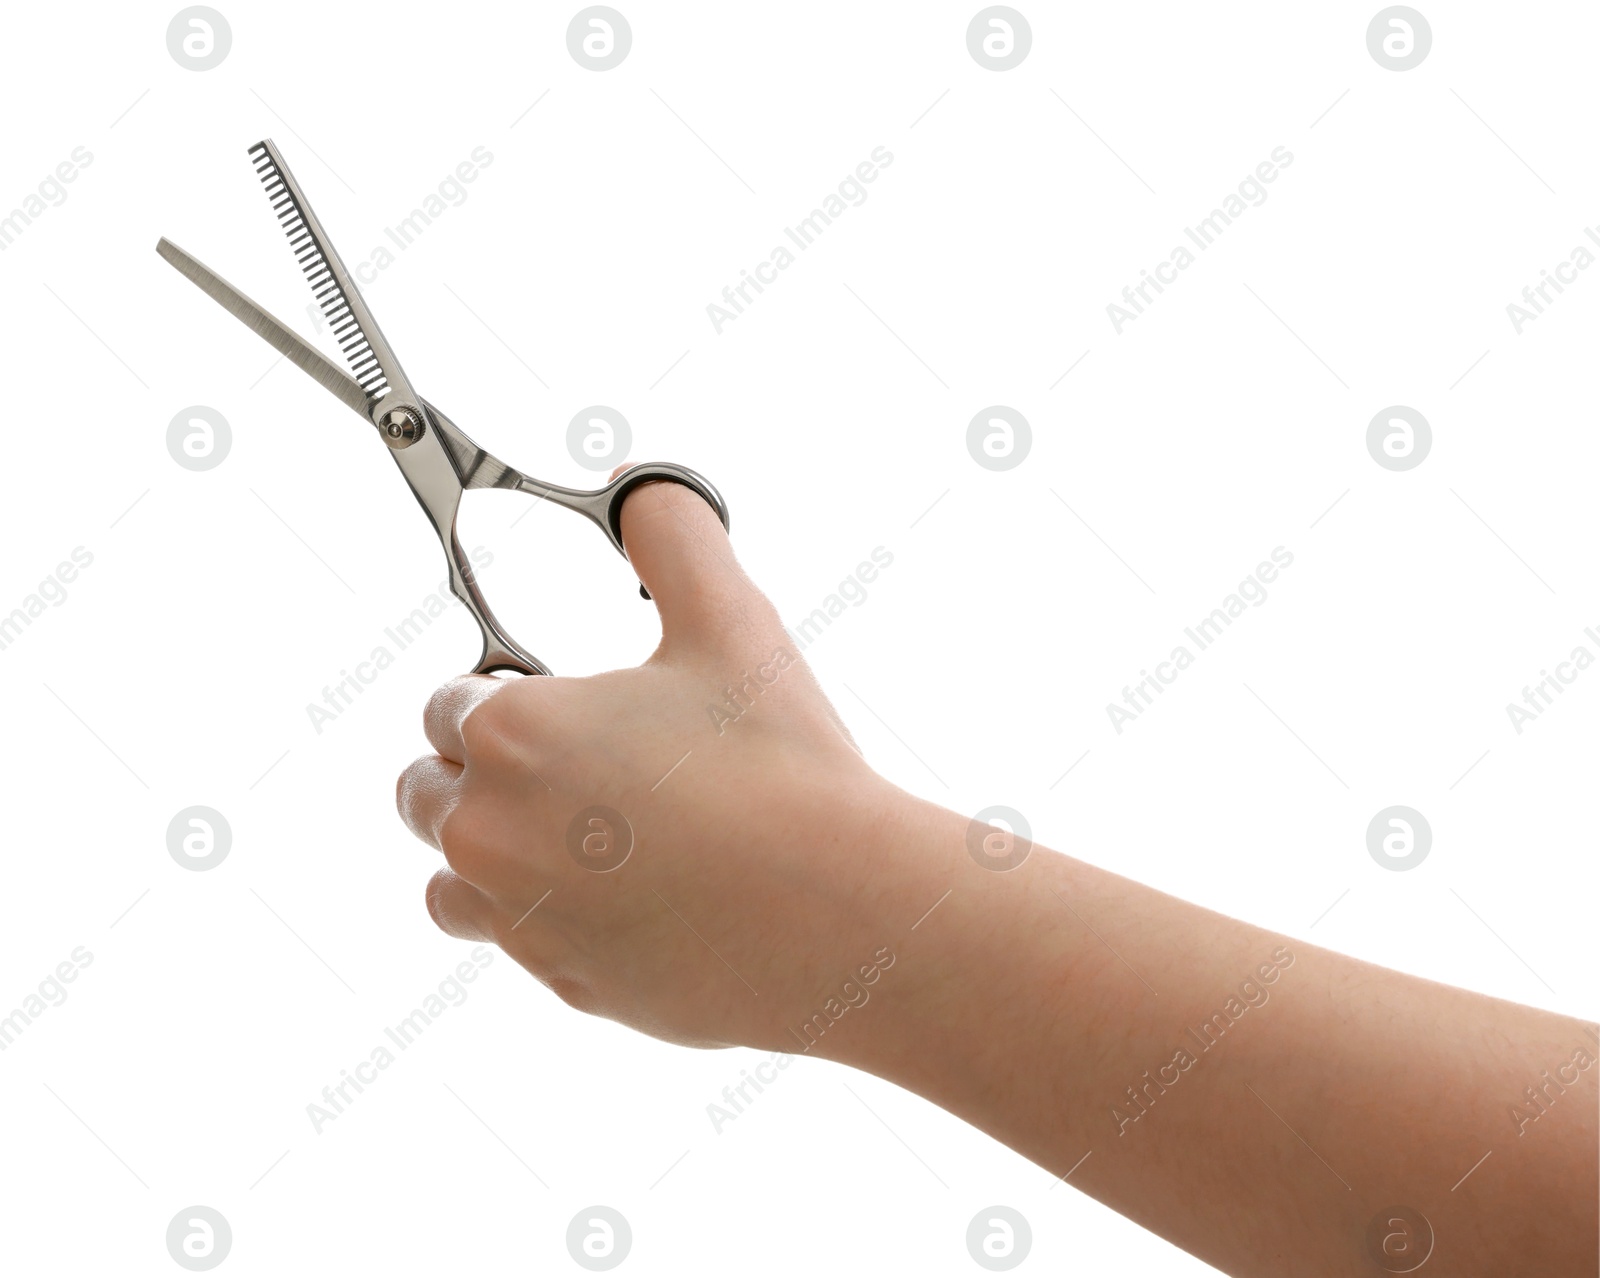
477 467
371 358
283 339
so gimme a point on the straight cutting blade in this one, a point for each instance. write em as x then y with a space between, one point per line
277 334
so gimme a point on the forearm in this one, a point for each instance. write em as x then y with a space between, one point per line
1253 1099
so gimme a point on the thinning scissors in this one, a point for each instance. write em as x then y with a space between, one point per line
437 459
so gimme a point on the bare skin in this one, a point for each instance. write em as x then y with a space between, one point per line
781 895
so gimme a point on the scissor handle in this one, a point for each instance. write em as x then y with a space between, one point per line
603 508
616 492
501 653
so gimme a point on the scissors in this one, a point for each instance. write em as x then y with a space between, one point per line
437 459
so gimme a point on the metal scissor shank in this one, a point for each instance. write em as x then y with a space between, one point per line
439 461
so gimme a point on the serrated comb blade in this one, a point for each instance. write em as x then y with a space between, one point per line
370 357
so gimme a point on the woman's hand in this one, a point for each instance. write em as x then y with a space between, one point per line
685 847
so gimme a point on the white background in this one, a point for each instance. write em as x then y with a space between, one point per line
1165 465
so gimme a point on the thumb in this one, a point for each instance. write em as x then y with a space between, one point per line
679 548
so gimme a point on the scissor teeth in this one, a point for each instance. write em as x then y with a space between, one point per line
306 243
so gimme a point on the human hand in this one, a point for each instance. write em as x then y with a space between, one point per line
746 886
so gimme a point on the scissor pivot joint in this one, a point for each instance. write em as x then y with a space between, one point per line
401 427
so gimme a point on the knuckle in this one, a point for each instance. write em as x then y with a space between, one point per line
438 705
523 943
485 730
409 787
460 839
508 727
575 994
435 897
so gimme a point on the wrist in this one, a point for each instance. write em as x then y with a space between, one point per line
971 1009
934 925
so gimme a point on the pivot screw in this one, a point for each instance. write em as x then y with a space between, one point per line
401 427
